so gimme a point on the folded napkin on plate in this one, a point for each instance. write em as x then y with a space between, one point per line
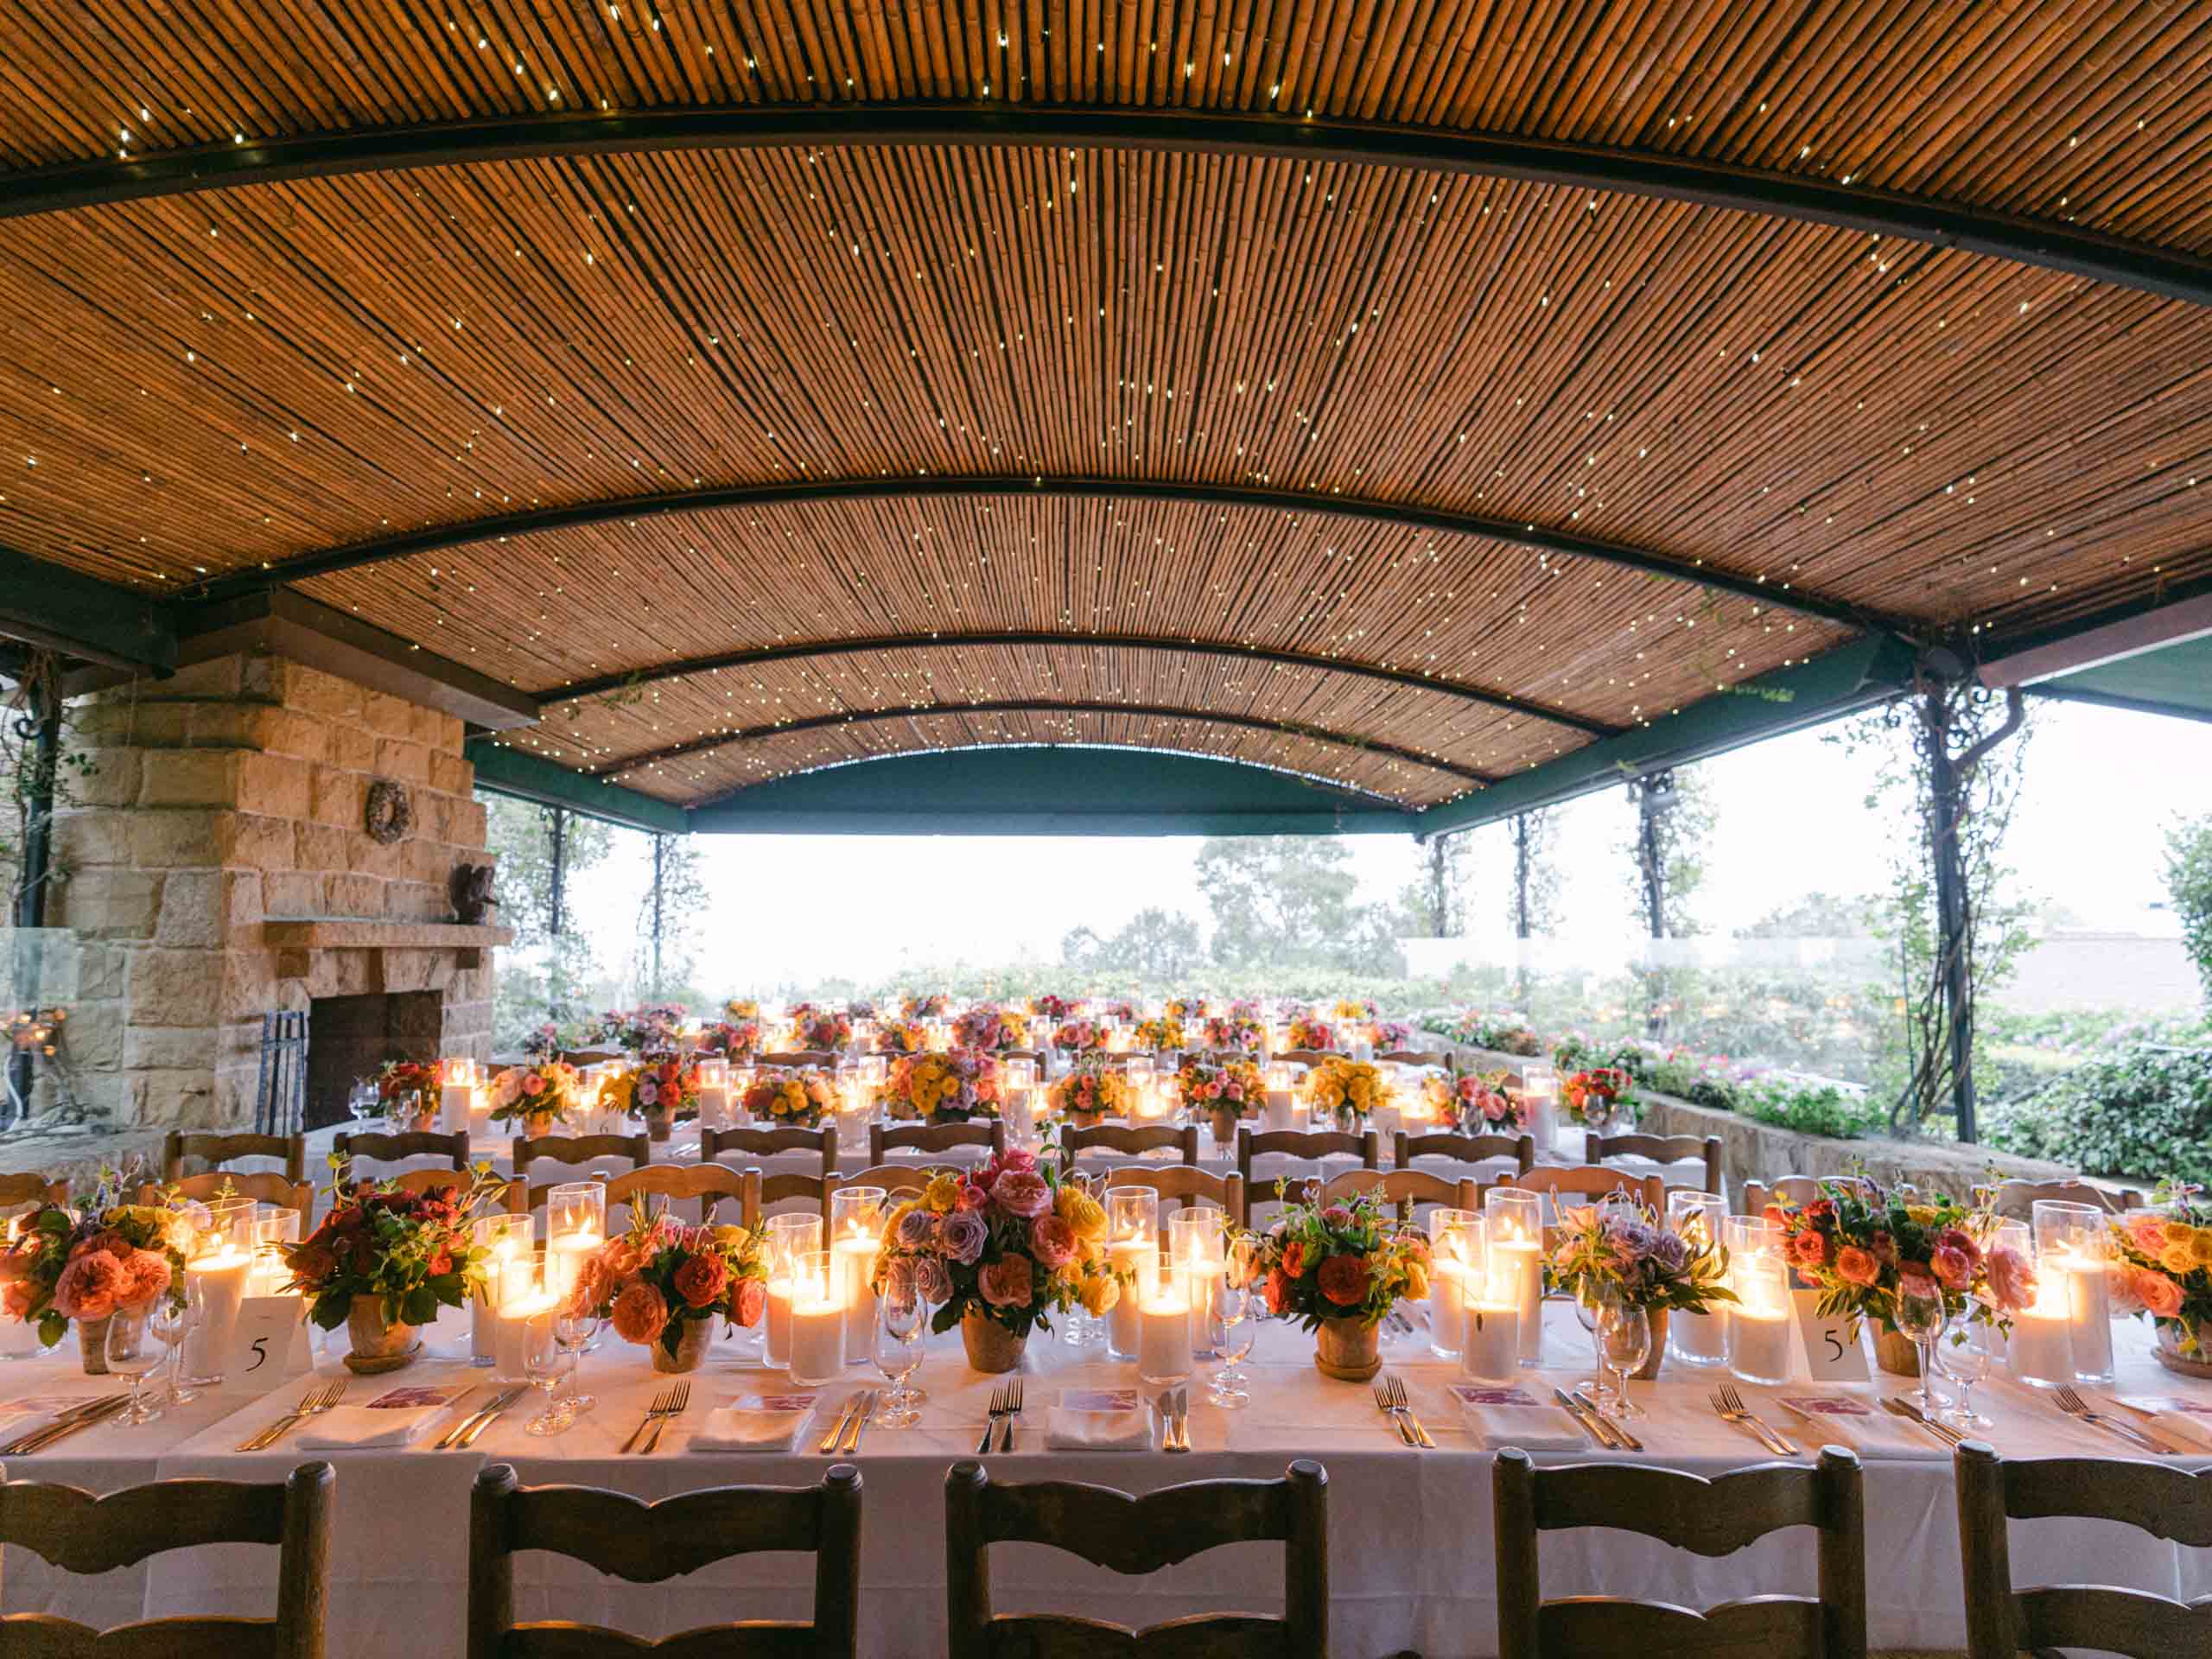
1070 1430
1814 1421
2178 1422
732 1430
356 1428
1533 1427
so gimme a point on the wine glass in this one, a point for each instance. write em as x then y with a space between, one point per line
540 1367
1231 1330
1920 1320
1624 1342
902 1320
1966 1363
133 1351
1587 1306
363 1102
173 1319
573 1329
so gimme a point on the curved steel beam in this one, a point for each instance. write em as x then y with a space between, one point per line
1139 710
861 647
2006 236
1400 515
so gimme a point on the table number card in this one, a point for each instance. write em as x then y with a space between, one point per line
271 1343
1834 1350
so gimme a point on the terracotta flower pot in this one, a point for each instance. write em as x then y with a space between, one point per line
2198 1364
1649 1371
1895 1354
378 1345
992 1349
690 1348
660 1123
1348 1349
92 1342
1225 1120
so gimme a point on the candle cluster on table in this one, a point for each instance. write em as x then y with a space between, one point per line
217 1268
523 1303
1132 1248
1457 1251
1759 1324
2074 1240
1490 1291
1695 1337
576 1227
1516 1255
503 1238
855 1234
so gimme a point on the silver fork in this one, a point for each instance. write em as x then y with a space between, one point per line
653 1412
676 1407
990 1426
1404 1404
1776 1440
2074 1405
312 1403
1013 1411
1384 1404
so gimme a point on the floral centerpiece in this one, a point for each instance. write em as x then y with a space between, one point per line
407 1090
1862 1247
819 1028
541 1042
1233 1031
1162 1031
660 1091
1055 1008
648 1030
1125 1012
1227 1091
1347 1090
1477 1105
1337 1270
1621 1250
792 1098
742 1009
1387 1034
997 1251
1591 1098
1186 1008
534 1098
947 1088
733 1038
1093 1089
1244 1008
385 1260
931 1007
662 1285
1357 1009
2164 1256
901 1036
61 1269
1308 1032
1079 1036
987 1026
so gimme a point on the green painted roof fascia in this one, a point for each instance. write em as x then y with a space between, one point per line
65 610
1856 676
2175 679
507 771
1048 789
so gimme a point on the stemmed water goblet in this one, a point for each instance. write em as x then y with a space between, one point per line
902 1322
1920 1318
1623 1344
133 1351
574 1328
1233 1327
1966 1363
173 1319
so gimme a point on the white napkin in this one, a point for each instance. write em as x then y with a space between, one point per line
731 1430
1099 1431
2167 1421
1533 1428
356 1428
1877 1435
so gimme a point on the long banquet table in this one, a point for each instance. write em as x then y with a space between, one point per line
1410 1535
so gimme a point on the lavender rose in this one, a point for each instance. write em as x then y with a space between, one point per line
917 1230
962 1236
932 1280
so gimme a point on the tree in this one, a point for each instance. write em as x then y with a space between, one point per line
2189 884
1435 904
1667 849
1532 903
547 967
668 917
1278 901
1818 915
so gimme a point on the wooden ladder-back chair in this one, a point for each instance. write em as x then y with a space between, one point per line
636 1150
1133 1140
1403 1189
651 1542
2017 1198
1131 1536
2001 1620
29 1187
379 1148
1590 1182
760 1191
990 1132
1713 1518
1665 1149
216 1150
262 1186
79 1533
1466 1148
1416 1057
766 1143
710 1183
1183 1186
1366 1146
796 1059
1789 1189
1309 1056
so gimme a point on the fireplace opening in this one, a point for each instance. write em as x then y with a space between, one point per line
350 1037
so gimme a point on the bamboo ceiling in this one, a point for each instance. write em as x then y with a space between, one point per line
204 385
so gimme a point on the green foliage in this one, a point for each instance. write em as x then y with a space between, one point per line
2189 884
1816 916
2143 1113
1810 1109
1153 945
1283 903
543 973
1680 832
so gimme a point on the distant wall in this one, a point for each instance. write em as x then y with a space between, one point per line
2103 971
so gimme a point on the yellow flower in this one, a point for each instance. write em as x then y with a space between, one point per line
1082 1212
1416 1282
1922 1214
941 1194
733 1238
2200 1246
1099 1293
2176 1259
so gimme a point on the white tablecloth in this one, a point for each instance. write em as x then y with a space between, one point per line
1410 1536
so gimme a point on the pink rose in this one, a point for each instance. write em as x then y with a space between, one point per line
1914 1282
145 1279
639 1313
88 1286
1857 1266
1052 1241
752 1298
1017 1159
15 1300
973 1197
1022 1192
1006 1282
1952 1266
2160 1296
2011 1280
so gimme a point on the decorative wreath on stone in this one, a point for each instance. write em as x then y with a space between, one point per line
389 814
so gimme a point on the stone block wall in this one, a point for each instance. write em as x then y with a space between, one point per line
228 795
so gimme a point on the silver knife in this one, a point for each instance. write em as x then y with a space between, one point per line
452 1436
1183 1418
62 1428
1619 1429
68 1415
861 1413
491 1414
1165 1407
1591 1424
1912 1414
844 1413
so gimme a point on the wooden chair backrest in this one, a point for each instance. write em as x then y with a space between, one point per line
679 1183
79 1533
1713 1518
1789 1189
1308 1056
798 1057
1367 1145
893 1179
1133 1139
1182 1185
1131 1536
761 1190
425 1180
262 1186
2000 1620
1468 1148
413 1143
936 1137
1664 1149
1591 1182
2017 1198
1404 1188
1415 1057
651 1543
216 1150
637 1148
583 1057
765 1143
31 1187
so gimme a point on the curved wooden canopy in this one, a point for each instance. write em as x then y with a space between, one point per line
1410 398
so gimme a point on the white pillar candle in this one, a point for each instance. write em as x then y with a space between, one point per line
522 1335
817 1337
1698 1338
1519 1262
220 1282
2041 1344
482 1317
1447 1291
714 1106
1759 1343
454 1100
1281 1109
779 1351
1140 1256
852 1266
1490 1333
564 1258
1164 1338
2089 1300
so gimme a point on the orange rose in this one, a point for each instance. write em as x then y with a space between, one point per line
639 1313
1344 1279
701 1279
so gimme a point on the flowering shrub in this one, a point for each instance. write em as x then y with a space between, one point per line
2166 1256
114 1256
411 1249
1092 1088
792 1098
1349 1261
1621 1250
987 1028
1502 1031
1862 1246
1010 1243
659 1278
947 1088
1228 1086
536 1097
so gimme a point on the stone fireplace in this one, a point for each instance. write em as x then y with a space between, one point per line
219 867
